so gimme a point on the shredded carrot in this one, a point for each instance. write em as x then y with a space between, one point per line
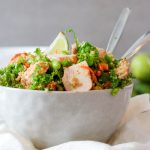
98 73
52 85
103 66
26 65
93 76
85 67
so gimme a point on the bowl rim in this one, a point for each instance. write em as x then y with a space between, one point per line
59 92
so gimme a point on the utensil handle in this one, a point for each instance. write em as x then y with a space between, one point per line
144 39
118 30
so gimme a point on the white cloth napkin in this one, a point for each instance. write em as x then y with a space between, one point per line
13 141
132 134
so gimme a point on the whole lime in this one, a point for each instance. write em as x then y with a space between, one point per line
140 67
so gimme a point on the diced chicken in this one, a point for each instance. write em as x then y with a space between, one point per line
72 58
123 69
16 57
102 52
24 57
77 77
26 77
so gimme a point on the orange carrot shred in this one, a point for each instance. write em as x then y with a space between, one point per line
26 65
103 67
93 76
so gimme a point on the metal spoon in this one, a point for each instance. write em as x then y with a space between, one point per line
118 30
144 39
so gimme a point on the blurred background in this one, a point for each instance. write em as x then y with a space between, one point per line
37 22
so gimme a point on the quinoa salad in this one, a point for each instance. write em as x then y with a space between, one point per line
82 67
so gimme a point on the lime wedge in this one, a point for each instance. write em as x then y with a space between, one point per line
59 45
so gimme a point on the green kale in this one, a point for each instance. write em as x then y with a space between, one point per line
66 63
114 79
104 78
40 81
39 56
88 52
9 74
115 91
108 59
56 65
126 81
118 83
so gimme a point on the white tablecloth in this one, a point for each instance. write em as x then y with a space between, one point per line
133 133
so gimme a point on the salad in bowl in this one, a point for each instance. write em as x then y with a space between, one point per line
82 68
79 106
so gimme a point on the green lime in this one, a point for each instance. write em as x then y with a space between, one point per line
59 45
140 67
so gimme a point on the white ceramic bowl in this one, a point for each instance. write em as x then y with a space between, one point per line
51 118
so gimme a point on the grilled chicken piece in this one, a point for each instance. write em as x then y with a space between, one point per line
26 77
77 77
16 57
